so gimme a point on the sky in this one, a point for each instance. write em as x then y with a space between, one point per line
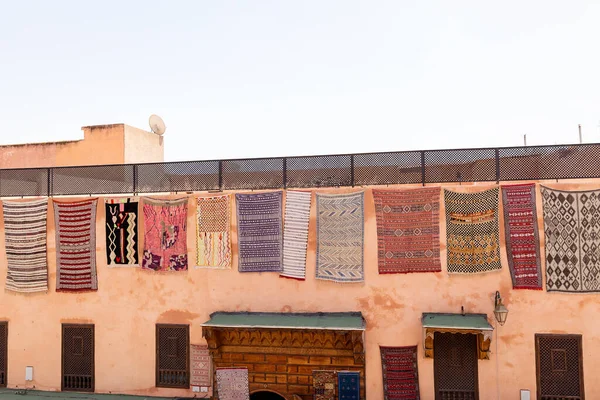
256 78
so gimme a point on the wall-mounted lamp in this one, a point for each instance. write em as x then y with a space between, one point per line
500 311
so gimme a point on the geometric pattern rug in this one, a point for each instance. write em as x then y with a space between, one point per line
25 240
324 383
340 237
213 221
408 230
260 231
122 232
165 235
572 230
522 236
232 384
400 374
295 234
472 231
200 371
75 224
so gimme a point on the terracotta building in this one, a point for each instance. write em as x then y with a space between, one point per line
138 322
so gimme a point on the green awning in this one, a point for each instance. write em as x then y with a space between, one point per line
346 321
456 321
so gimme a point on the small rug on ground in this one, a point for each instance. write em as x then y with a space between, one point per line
213 241
165 235
572 228
340 237
200 374
295 234
472 232
324 383
232 384
348 385
400 373
75 245
25 240
522 237
122 232
408 230
260 231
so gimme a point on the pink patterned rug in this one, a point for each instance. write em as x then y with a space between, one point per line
232 384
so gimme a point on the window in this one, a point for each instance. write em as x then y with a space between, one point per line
3 353
77 358
172 356
559 367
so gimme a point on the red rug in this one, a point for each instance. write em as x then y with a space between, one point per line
522 237
75 245
408 230
400 374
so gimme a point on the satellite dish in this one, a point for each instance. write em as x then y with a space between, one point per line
157 125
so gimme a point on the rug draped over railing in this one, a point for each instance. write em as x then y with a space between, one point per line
340 237
260 231
572 230
122 232
348 385
25 241
165 235
75 224
295 234
472 231
522 236
324 383
213 241
200 371
408 230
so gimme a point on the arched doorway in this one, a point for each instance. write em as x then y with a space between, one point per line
266 395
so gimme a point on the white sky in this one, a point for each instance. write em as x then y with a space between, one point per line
254 78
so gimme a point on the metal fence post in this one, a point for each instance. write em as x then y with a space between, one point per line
135 178
423 168
285 172
220 174
49 172
352 169
497 165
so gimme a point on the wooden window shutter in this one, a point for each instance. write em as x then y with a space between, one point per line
455 366
172 356
77 358
3 353
559 367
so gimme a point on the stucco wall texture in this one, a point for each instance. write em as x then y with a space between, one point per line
129 302
101 144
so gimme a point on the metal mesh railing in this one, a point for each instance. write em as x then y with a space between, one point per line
409 167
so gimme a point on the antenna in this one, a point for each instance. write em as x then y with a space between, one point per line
579 133
157 125
525 140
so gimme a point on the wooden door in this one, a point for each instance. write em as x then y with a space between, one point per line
455 366
77 358
559 367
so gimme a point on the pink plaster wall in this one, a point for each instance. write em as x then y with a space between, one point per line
130 302
101 144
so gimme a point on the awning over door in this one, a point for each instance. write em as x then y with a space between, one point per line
345 321
476 324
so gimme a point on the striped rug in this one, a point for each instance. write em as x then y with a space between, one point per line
75 245
213 222
295 234
340 237
25 238
259 231
400 373
522 237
